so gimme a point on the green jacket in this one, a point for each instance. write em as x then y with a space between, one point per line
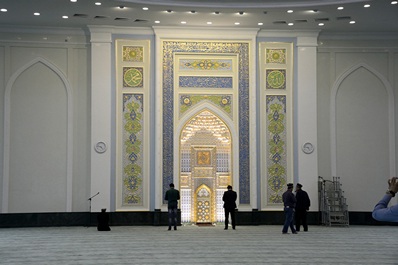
172 196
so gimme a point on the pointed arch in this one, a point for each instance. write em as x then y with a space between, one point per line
7 122
391 115
224 118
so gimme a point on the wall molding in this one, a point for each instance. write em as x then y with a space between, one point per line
391 115
7 122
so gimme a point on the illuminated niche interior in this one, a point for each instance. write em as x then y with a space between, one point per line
205 168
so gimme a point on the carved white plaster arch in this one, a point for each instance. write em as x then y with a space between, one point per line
391 119
6 151
205 105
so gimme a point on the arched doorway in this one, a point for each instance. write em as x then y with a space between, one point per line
205 168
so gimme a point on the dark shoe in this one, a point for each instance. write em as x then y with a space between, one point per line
295 232
306 230
233 228
225 228
169 228
285 233
175 227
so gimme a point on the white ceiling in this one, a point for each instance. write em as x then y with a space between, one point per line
381 16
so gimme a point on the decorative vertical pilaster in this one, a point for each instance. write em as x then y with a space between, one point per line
307 156
101 105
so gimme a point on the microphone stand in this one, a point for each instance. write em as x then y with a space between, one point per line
89 212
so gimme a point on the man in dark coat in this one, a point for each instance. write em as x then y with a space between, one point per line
302 206
289 203
172 196
229 199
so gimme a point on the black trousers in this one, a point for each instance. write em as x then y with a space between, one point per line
172 212
227 213
301 219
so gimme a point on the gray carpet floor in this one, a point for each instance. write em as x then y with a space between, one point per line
199 245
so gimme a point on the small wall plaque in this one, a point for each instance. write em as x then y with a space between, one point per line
308 148
100 147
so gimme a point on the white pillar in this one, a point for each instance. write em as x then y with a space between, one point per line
306 90
101 103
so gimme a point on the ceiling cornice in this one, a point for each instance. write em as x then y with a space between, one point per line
242 4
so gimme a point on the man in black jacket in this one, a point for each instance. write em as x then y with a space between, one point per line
302 206
229 199
172 196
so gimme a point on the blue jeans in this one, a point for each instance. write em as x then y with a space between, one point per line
289 216
172 216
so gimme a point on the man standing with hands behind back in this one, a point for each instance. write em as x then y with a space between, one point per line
229 199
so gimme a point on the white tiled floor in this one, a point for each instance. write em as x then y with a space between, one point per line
199 245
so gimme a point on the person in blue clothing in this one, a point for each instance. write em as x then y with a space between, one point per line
289 203
382 212
172 196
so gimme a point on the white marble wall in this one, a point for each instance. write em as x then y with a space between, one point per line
45 121
357 95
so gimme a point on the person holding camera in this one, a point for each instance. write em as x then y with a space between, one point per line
382 212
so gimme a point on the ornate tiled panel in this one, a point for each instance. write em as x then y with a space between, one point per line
133 77
223 102
205 81
277 56
275 79
132 149
205 64
133 54
276 148
170 48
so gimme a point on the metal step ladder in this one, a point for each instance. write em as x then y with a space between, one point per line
332 203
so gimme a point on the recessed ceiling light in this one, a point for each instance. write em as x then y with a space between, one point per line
65 17
340 8
216 12
169 11
3 10
183 22
260 23
394 2
241 13
352 22
121 7
314 10
73 1
98 3
36 14
290 24
366 6
145 8
321 24
157 21
192 12
237 23
209 23
290 11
